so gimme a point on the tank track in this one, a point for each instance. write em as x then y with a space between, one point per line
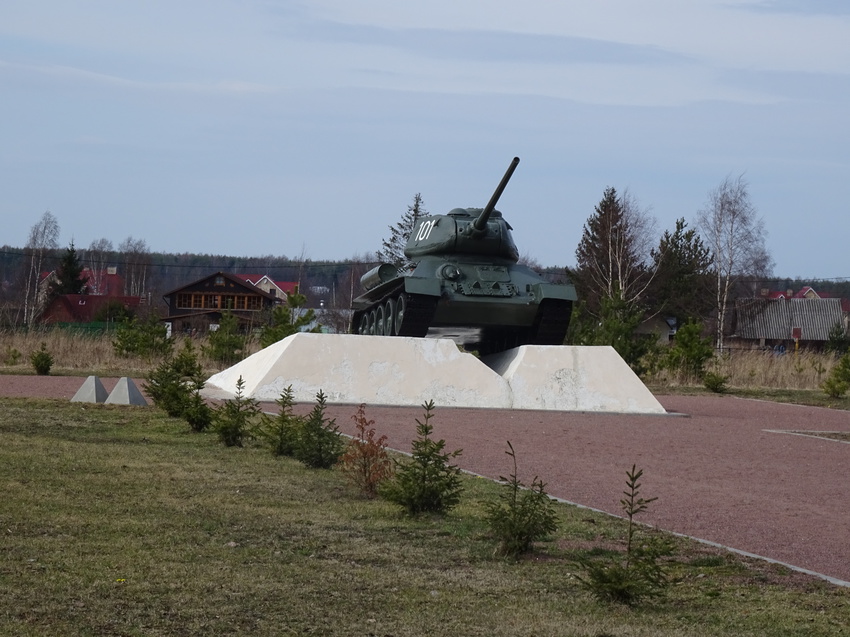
418 313
553 320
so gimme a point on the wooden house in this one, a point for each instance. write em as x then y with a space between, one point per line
198 306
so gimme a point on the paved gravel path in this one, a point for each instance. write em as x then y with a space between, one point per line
728 471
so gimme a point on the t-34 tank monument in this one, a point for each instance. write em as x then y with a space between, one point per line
463 273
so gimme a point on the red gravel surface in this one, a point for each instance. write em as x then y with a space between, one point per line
728 471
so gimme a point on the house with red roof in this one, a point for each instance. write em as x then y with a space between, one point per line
103 300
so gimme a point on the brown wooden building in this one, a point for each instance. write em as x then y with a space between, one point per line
198 305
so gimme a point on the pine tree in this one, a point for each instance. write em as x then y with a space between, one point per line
682 287
287 320
393 247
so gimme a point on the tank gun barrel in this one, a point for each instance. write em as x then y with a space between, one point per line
480 222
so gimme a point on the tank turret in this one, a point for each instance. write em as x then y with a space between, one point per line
469 231
464 275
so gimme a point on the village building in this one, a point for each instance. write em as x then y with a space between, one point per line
198 306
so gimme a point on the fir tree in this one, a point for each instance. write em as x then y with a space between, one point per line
287 320
69 275
682 287
393 247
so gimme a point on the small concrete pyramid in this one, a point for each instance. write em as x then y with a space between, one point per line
126 393
92 391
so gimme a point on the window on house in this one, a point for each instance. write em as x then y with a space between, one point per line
219 280
184 300
254 303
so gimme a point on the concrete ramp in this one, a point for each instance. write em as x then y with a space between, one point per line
354 369
573 378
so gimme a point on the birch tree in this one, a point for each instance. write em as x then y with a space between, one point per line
136 256
736 236
97 257
43 238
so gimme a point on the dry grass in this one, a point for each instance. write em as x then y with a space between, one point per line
761 370
803 370
77 353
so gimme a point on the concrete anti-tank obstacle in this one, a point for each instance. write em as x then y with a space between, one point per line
126 393
91 391
380 370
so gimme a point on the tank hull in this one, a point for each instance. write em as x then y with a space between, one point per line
490 306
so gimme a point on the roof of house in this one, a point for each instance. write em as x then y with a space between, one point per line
235 278
82 308
774 319
285 286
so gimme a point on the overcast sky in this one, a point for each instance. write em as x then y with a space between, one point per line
286 127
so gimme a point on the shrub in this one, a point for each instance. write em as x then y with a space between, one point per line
281 433
638 573
175 384
838 381
12 356
42 360
226 345
233 418
288 319
689 352
715 382
186 362
837 340
319 444
167 388
521 516
834 388
427 483
365 462
112 311
142 338
196 412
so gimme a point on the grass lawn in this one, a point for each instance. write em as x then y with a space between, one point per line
120 521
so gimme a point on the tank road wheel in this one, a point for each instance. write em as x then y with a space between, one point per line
379 320
372 321
364 325
400 309
389 318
